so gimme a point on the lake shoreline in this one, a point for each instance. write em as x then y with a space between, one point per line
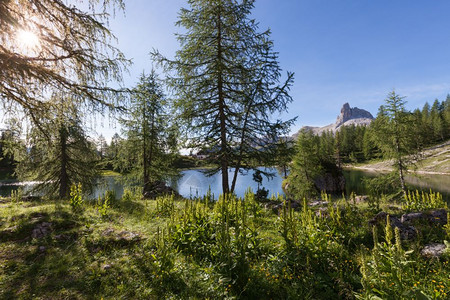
387 170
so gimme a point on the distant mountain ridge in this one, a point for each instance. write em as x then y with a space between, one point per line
348 116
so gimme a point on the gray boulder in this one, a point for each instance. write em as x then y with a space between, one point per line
433 250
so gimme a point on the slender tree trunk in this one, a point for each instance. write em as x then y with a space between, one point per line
400 166
151 146
241 150
222 117
145 176
63 176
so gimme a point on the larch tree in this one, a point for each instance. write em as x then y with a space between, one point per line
59 152
226 80
147 153
54 45
306 166
394 135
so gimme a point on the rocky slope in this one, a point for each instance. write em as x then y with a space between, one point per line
348 116
434 160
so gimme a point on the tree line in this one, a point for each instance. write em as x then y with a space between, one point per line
396 133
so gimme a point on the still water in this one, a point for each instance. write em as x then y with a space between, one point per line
193 183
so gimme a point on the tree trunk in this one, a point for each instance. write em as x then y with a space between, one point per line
63 176
400 166
145 176
222 117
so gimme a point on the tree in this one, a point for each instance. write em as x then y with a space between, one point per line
394 134
306 166
70 53
226 81
446 113
148 151
62 156
102 146
437 121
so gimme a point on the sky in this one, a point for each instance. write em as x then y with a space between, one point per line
354 51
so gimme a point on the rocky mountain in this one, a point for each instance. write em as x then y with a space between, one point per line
348 116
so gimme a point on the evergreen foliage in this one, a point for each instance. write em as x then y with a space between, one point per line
59 156
393 135
315 156
72 54
147 153
226 78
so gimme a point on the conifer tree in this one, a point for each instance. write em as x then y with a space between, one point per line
394 134
70 52
226 79
60 153
147 153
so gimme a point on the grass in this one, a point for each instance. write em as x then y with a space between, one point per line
232 248
434 160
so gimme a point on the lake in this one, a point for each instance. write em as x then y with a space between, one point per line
193 183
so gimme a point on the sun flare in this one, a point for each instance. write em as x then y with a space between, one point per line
27 39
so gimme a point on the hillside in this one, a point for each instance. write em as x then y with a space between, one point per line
435 160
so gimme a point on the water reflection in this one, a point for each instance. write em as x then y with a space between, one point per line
194 183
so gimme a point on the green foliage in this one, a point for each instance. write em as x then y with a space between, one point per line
60 153
314 158
394 135
103 206
203 249
227 92
78 62
76 197
390 272
16 195
420 201
224 236
380 186
165 205
148 152
313 254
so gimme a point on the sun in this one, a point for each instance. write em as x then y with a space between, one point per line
27 40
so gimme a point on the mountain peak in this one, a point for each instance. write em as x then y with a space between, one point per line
348 116
351 113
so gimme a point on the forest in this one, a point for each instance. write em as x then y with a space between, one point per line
217 98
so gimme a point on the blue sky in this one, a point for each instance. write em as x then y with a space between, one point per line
354 51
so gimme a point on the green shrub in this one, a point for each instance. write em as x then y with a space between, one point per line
76 196
420 201
390 272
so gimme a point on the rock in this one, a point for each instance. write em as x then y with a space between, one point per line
158 188
348 113
42 248
433 250
361 199
108 231
277 206
30 198
41 230
434 217
439 216
330 183
381 216
317 203
61 237
129 236
123 236
413 217
407 232
348 116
